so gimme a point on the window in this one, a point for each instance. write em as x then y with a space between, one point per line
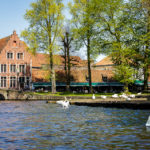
104 78
21 79
28 81
3 81
14 43
3 68
9 55
12 82
12 68
22 68
20 56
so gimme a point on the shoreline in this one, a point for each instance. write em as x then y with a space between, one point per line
139 102
135 103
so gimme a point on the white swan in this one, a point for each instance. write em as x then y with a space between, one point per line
64 103
148 122
128 98
124 96
115 96
103 97
132 96
93 97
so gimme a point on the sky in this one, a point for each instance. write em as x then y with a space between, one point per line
12 17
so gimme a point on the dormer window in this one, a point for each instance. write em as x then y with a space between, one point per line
19 55
9 55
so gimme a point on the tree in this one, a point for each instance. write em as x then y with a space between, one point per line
45 21
124 74
84 28
146 6
124 35
137 17
113 39
67 40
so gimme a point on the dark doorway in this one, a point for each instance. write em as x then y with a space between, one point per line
2 97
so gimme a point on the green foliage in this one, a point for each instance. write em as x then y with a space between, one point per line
84 24
124 74
45 22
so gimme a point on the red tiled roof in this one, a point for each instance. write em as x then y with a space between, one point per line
42 59
106 61
3 42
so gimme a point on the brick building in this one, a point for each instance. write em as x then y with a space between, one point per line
19 68
15 63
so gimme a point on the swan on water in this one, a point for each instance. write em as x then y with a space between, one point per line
64 103
93 97
148 122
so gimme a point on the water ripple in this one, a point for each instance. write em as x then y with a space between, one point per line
37 125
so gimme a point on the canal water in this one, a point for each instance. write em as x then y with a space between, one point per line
40 126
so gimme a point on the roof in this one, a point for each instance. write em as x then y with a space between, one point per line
3 42
106 61
43 59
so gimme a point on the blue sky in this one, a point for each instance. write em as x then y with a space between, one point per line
12 16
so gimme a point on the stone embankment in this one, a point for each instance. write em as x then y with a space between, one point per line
140 102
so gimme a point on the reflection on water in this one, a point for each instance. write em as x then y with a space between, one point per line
37 125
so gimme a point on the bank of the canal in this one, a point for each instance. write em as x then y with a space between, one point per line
139 102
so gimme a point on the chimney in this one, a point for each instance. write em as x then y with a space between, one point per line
14 32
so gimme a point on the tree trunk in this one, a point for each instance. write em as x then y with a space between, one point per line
126 89
68 65
89 65
65 57
53 81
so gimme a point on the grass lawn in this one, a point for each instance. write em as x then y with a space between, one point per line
73 94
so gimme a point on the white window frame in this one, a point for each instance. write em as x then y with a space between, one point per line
19 68
3 68
10 68
3 82
17 56
12 55
15 81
